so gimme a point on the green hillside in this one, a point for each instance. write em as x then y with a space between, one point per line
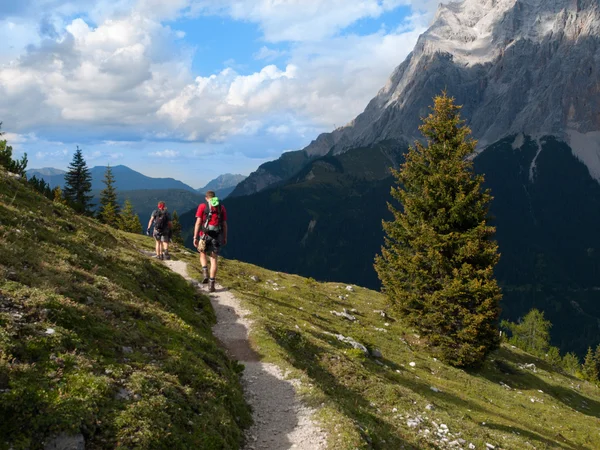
97 340
325 223
515 402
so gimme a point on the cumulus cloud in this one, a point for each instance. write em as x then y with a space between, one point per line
118 73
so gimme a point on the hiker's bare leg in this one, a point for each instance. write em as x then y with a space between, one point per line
203 259
213 265
158 247
166 246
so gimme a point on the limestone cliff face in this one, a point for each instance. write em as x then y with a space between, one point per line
527 67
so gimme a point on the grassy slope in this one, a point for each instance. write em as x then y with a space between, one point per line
131 363
367 403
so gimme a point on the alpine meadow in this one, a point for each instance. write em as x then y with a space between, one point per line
324 225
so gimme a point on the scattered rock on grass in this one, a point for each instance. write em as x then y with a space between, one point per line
344 314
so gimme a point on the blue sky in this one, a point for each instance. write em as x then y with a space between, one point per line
191 89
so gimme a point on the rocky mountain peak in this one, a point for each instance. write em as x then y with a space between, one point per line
518 67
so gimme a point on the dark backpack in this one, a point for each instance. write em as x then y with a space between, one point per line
161 222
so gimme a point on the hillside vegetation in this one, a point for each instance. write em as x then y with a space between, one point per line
97 339
101 343
405 398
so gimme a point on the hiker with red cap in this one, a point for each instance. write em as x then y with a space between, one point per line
210 233
162 230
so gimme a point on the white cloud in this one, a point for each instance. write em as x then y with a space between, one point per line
165 154
303 20
279 130
128 78
268 54
54 155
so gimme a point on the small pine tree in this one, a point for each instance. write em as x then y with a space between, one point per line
109 208
589 368
7 161
570 363
78 184
531 334
597 358
176 230
553 356
58 196
437 264
129 220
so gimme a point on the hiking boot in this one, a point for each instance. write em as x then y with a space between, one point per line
166 256
161 257
204 275
211 286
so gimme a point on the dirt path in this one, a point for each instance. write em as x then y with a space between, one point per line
280 420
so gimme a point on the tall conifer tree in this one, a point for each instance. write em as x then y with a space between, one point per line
437 264
78 184
109 210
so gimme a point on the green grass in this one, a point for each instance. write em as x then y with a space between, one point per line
131 362
366 402
127 327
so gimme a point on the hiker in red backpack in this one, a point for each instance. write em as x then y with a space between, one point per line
162 230
210 233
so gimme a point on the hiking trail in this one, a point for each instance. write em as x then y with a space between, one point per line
281 421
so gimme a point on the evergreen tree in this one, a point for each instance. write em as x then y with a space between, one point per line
553 356
589 368
40 185
597 358
58 196
176 230
109 208
570 363
438 260
531 334
7 161
129 220
78 184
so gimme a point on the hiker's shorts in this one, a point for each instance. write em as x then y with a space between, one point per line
164 237
212 246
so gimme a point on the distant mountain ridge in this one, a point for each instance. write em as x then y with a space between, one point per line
223 185
126 179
